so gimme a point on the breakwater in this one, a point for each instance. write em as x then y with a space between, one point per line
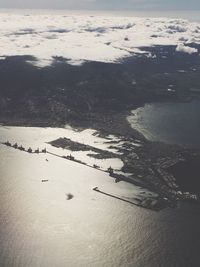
110 170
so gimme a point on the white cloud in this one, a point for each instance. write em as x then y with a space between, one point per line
82 38
186 49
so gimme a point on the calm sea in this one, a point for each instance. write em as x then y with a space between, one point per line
40 228
174 123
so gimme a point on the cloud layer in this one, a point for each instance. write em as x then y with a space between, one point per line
82 38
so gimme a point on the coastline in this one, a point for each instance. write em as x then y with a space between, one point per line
145 164
80 184
100 96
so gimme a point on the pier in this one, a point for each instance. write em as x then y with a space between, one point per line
116 197
149 204
94 166
110 170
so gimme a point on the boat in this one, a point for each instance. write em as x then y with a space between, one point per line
30 150
15 145
44 180
70 157
21 148
96 166
7 143
110 170
117 180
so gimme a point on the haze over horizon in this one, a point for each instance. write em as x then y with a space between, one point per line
103 4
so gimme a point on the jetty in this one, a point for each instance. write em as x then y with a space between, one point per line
30 150
116 197
148 203
110 170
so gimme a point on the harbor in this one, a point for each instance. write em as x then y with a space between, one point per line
145 202
48 209
30 150
142 201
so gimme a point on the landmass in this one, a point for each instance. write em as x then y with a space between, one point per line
101 96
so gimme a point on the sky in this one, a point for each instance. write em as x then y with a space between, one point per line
104 4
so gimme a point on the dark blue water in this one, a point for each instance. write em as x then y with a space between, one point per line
174 123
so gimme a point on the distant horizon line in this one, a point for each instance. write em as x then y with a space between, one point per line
105 9
191 15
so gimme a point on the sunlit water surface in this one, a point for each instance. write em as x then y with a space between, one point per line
40 227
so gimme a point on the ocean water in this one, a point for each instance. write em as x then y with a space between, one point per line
40 227
173 123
